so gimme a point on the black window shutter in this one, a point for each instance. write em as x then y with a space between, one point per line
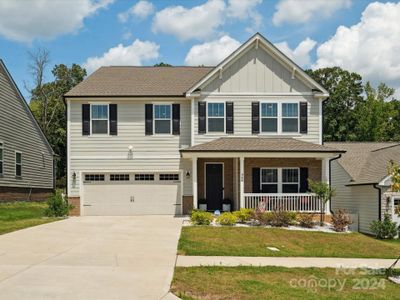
303 117
202 117
303 180
256 180
149 119
229 117
255 117
176 118
85 119
113 119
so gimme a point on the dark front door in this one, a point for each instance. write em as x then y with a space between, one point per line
214 186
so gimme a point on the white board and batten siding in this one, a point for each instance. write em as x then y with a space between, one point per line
106 153
361 200
20 132
257 76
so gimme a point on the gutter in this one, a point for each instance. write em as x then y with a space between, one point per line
330 178
379 201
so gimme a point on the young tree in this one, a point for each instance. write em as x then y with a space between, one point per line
324 192
47 102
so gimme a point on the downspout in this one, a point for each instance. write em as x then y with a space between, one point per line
322 120
379 200
330 178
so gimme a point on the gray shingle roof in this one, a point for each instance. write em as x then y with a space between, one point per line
139 81
367 162
259 145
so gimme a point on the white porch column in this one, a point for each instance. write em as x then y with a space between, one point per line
241 179
194 182
325 178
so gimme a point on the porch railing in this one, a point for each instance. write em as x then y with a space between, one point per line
306 202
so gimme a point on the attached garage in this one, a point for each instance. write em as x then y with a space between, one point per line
126 194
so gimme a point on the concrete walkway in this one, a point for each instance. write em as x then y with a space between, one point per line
90 258
290 262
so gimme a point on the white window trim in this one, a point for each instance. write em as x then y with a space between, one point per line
277 117
280 182
15 163
2 158
108 119
298 118
224 117
280 117
154 119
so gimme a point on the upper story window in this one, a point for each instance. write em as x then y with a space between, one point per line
162 118
269 117
216 117
1 158
99 117
290 117
18 164
279 118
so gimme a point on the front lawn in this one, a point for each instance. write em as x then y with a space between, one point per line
280 283
18 215
242 241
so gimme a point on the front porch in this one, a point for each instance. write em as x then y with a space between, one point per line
264 183
258 172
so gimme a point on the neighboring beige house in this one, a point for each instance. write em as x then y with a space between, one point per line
26 157
162 140
360 178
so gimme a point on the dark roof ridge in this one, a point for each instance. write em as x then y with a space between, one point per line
387 147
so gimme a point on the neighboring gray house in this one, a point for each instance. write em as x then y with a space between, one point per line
360 177
162 140
26 157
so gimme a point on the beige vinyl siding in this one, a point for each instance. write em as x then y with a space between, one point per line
256 71
19 132
242 118
362 199
110 153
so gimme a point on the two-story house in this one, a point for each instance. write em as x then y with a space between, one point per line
26 157
164 140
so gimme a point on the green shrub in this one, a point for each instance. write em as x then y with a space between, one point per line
244 214
57 205
282 218
199 217
262 218
340 220
386 229
227 218
306 220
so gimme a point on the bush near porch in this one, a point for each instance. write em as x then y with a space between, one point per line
253 241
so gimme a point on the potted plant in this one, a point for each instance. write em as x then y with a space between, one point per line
226 204
203 204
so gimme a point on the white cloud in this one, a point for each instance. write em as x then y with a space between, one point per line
297 12
371 47
199 22
300 55
134 54
245 10
141 10
211 53
25 21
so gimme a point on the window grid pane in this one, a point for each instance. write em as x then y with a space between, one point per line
289 109
100 112
169 177
216 109
162 111
290 175
269 109
269 175
144 177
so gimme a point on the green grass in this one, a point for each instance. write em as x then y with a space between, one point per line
19 215
245 241
254 283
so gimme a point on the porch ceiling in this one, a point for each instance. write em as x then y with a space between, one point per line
259 147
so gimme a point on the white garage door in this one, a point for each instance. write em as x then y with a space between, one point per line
126 194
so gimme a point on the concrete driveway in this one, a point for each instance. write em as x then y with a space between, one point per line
90 258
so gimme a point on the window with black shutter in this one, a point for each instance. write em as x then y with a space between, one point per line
176 119
113 119
229 118
85 119
202 117
255 117
303 117
149 119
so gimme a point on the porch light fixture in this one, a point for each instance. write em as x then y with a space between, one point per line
187 174
73 176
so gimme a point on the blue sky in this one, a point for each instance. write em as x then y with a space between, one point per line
359 35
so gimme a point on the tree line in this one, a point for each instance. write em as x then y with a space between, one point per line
355 111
